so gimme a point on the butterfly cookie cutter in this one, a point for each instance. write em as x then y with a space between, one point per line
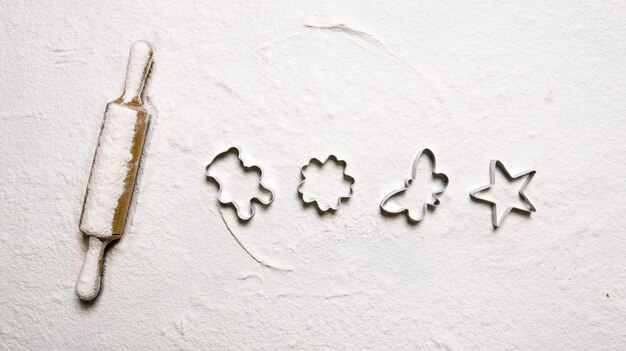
255 168
434 201
347 177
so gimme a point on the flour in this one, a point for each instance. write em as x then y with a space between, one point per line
537 84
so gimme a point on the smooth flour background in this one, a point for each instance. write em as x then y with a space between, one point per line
538 85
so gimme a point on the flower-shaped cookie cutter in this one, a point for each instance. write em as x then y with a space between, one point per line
255 168
407 183
347 177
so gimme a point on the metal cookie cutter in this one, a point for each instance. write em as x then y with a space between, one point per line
262 187
337 161
492 180
434 201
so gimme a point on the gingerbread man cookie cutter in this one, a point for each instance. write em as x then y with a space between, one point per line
246 167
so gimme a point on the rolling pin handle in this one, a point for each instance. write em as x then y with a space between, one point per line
88 284
139 63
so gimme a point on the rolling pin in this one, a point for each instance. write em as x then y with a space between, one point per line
114 169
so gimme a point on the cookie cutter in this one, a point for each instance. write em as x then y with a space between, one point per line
407 184
347 177
492 180
246 168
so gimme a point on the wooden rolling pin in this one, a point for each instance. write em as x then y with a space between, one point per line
114 169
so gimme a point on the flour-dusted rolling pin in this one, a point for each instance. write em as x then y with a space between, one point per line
114 168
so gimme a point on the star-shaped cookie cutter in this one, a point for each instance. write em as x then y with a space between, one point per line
246 167
407 184
343 164
497 222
